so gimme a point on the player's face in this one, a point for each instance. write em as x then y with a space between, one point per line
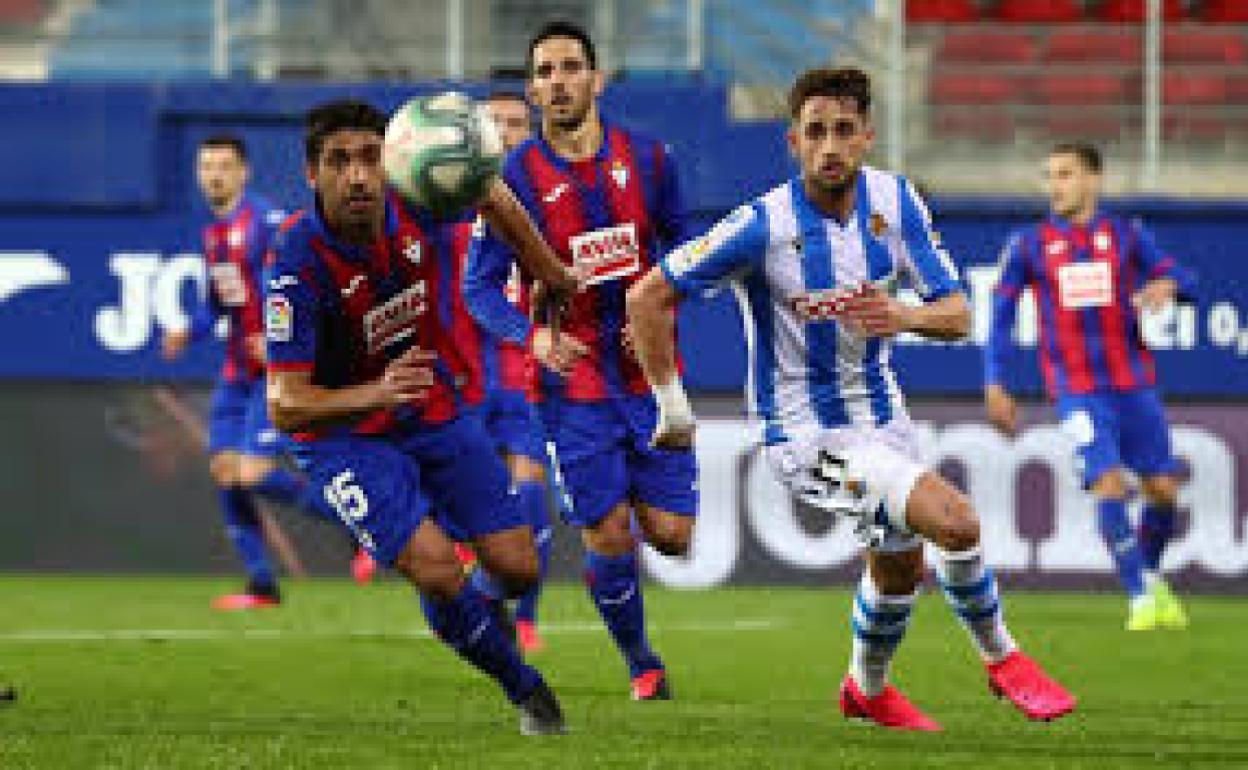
830 139
1070 185
511 117
562 85
221 174
348 179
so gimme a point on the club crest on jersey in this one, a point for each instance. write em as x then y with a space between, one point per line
279 318
1101 241
235 237
619 172
395 319
1055 248
412 250
607 253
877 224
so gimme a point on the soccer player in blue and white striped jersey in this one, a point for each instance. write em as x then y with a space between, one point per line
816 263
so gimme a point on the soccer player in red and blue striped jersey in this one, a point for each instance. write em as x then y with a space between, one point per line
1091 272
243 446
369 377
608 201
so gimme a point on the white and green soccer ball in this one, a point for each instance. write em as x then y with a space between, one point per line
441 151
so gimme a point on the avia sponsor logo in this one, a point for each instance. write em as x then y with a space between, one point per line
607 254
395 319
1085 284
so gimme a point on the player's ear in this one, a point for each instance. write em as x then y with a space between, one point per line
309 174
600 82
790 135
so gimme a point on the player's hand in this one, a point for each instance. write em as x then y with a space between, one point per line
1155 295
407 378
256 349
1002 409
174 343
870 312
557 352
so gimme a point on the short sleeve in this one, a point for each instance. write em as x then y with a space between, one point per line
292 309
925 260
734 247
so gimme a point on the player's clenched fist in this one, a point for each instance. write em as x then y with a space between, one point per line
407 378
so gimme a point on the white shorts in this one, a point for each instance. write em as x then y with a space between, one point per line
862 471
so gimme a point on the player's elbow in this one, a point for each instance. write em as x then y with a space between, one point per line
959 323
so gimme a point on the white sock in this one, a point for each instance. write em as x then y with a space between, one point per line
971 590
879 622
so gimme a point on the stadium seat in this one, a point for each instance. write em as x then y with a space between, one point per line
1226 11
1193 88
1132 11
921 11
1082 125
1085 88
974 88
1040 11
1094 47
987 47
1179 126
1186 47
1237 88
980 125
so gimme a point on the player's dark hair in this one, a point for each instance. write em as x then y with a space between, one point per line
833 82
1087 154
339 115
564 29
229 141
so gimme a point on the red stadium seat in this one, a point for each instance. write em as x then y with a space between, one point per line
1185 126
1193 88
1084 88
1132 11
1204 47
1226 11
940 10
994 47
975 88
1122 47
1032 11
980 125
1077 125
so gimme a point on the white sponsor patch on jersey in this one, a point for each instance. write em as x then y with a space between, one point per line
607 253
1085 284
395 319
279 318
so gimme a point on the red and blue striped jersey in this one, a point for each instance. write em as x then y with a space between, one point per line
1083 279
616 215
234 249
343 312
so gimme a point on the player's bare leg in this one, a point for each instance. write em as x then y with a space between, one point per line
614 582
1110 492
242 526
943 515
1158 522
461 617
671 534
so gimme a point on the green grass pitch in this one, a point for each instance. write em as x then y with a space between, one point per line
138 672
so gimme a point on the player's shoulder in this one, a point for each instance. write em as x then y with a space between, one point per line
1021 240
515 159
293 238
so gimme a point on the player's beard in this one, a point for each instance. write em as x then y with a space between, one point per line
574 121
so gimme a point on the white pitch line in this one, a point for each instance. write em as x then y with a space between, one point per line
211 634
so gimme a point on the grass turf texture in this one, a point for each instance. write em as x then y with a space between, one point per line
138 672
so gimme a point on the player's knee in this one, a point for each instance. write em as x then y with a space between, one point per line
525 470
517 572
613 536
670 535
959 527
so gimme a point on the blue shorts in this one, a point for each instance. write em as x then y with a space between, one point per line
238 420
1112 430
514 425
605 458
382 487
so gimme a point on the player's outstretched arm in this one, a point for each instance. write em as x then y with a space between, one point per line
508 217
296 403
651 308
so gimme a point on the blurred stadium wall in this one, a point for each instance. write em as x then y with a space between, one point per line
99 220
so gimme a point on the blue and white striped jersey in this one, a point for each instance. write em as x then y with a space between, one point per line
787 261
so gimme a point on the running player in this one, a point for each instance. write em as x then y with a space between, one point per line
1091 273
365 375
607 200
510 394
243 447
815 263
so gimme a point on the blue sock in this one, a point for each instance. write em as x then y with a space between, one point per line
615 586
1120 540
242 526
534 499
1157 525
486 584
467 625
287 488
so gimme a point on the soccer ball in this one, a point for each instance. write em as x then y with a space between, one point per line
441 152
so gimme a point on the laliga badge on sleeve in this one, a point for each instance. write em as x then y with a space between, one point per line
279 318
